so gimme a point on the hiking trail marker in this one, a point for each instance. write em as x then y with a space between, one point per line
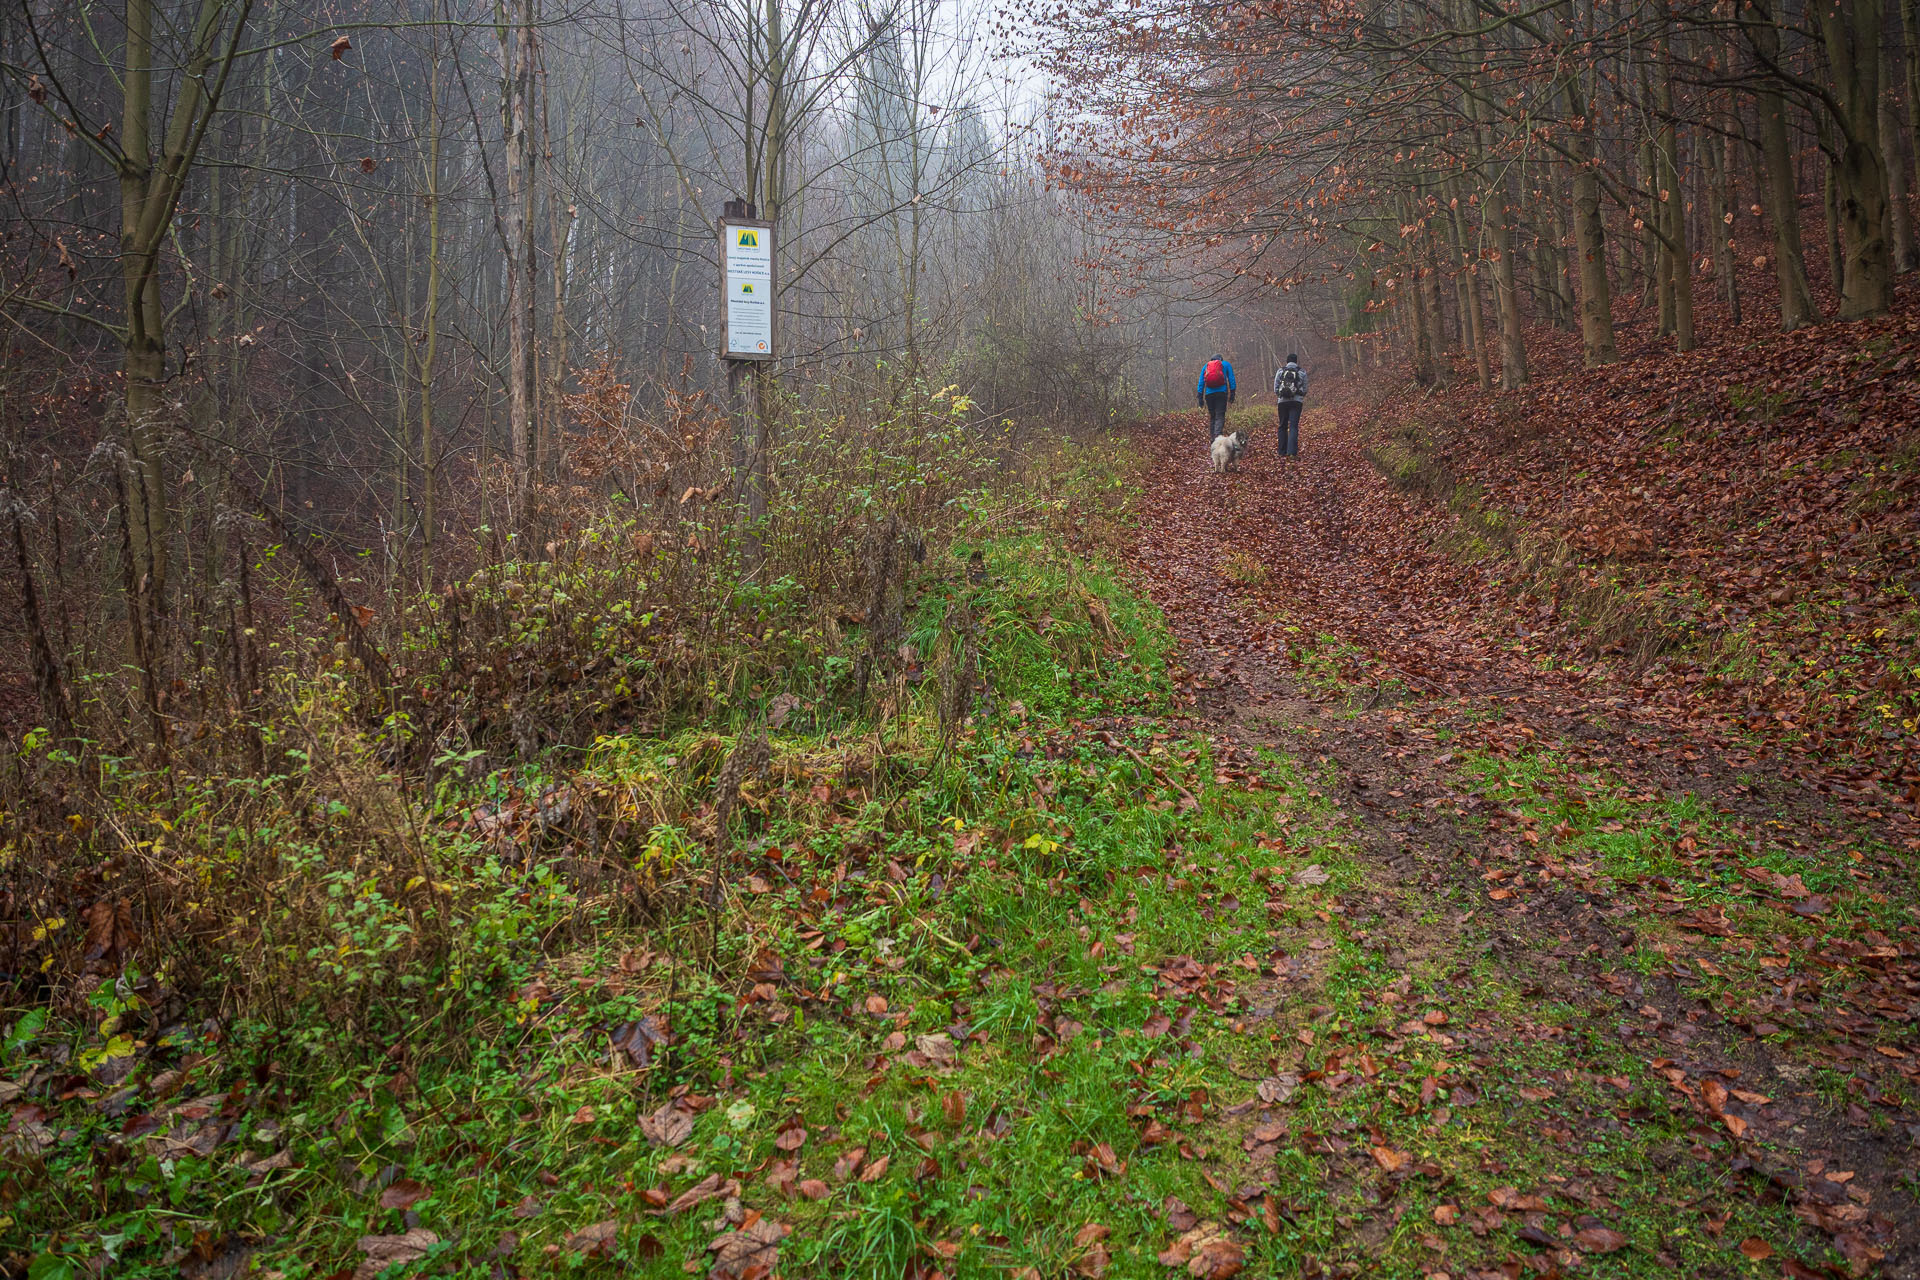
746 288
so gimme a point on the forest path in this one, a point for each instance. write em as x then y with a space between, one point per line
1708 970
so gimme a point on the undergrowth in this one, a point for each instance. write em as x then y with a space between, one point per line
341 919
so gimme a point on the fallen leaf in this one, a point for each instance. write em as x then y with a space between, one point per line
751 1252
1217 1260
1190 1245
1756 1249
700 1192
1102 1162
1272 1131
404 1194
386 1251
638 1039
1278 1088
667 1127
260 1168
1599 1240
596 1241
939 1048
1390 1160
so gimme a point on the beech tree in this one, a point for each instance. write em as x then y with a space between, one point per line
1311 142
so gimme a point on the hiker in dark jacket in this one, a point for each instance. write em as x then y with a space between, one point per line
1215 390
1290 392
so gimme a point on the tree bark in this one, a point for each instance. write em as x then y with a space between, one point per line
1851 31
1899 211
1658 287
1910 22
514 32
430 339
1560 270
1836 255
144 356
1513 346
1720 200
1590 235
1673 201
1420 347
1781 185
1470 296
1430 294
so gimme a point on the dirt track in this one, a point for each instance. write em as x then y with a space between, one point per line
1317 616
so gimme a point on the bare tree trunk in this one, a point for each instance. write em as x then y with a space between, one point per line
1673 203
430 338
144 357
1420 349
1782 186
1414 318
1910 22
1720 202
1513 346
1559 269
560 234
1851 32
1836 253
1590 236
515 36
1430 294
1470 295
1657 286
1899 212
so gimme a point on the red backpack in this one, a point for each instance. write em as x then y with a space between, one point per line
1216 373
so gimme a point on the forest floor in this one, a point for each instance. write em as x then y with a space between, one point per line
1290 906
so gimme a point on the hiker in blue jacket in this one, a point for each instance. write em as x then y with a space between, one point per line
1215 390
1290 393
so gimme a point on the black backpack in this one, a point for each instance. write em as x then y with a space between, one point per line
1289 383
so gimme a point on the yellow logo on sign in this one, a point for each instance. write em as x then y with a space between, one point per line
746 288
749 240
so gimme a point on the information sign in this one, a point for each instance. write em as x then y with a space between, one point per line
747 290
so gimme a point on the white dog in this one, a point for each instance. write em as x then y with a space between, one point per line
1226 448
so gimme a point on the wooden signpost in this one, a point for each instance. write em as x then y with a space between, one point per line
749 343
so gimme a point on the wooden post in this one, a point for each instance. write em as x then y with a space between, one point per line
742 233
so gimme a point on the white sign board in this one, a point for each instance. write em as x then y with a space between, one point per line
746 281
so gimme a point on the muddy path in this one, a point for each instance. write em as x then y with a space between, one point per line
1548 832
